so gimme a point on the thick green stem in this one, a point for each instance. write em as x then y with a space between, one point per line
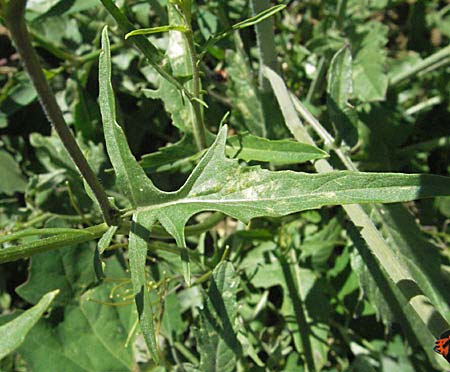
72 237
14 17
198 126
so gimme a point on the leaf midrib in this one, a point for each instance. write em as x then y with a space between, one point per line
188 200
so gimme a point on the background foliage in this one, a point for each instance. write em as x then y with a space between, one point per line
291 293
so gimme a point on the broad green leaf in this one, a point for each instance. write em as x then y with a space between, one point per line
130 176
91 335
58 7
221 184
216 336
156 30
13 333
11 179
370 81
248 192
67 269
248 147
21 93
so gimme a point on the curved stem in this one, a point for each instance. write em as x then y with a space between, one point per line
14 17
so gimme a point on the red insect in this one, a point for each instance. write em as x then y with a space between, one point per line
442 345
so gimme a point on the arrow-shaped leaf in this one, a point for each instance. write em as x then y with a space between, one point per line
221 184
129 174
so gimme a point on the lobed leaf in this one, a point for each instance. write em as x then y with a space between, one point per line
130 176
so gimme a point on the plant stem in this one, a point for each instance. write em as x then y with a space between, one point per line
83 235
151 53
14 17
427 64
198 126
142 43
266 42
398 274
51 243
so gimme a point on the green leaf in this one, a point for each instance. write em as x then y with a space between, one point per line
11 179
247 108
370 81
156 30
216 337
13 333
173 323
129 174
67 269
105 240
139 234
180 151
245 147
387 299
304 305
248 147
259 17
419 254
91 334
339 86
320 245
177 54
339 90
248 192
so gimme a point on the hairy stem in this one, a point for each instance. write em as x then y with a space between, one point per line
14 17
198 126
